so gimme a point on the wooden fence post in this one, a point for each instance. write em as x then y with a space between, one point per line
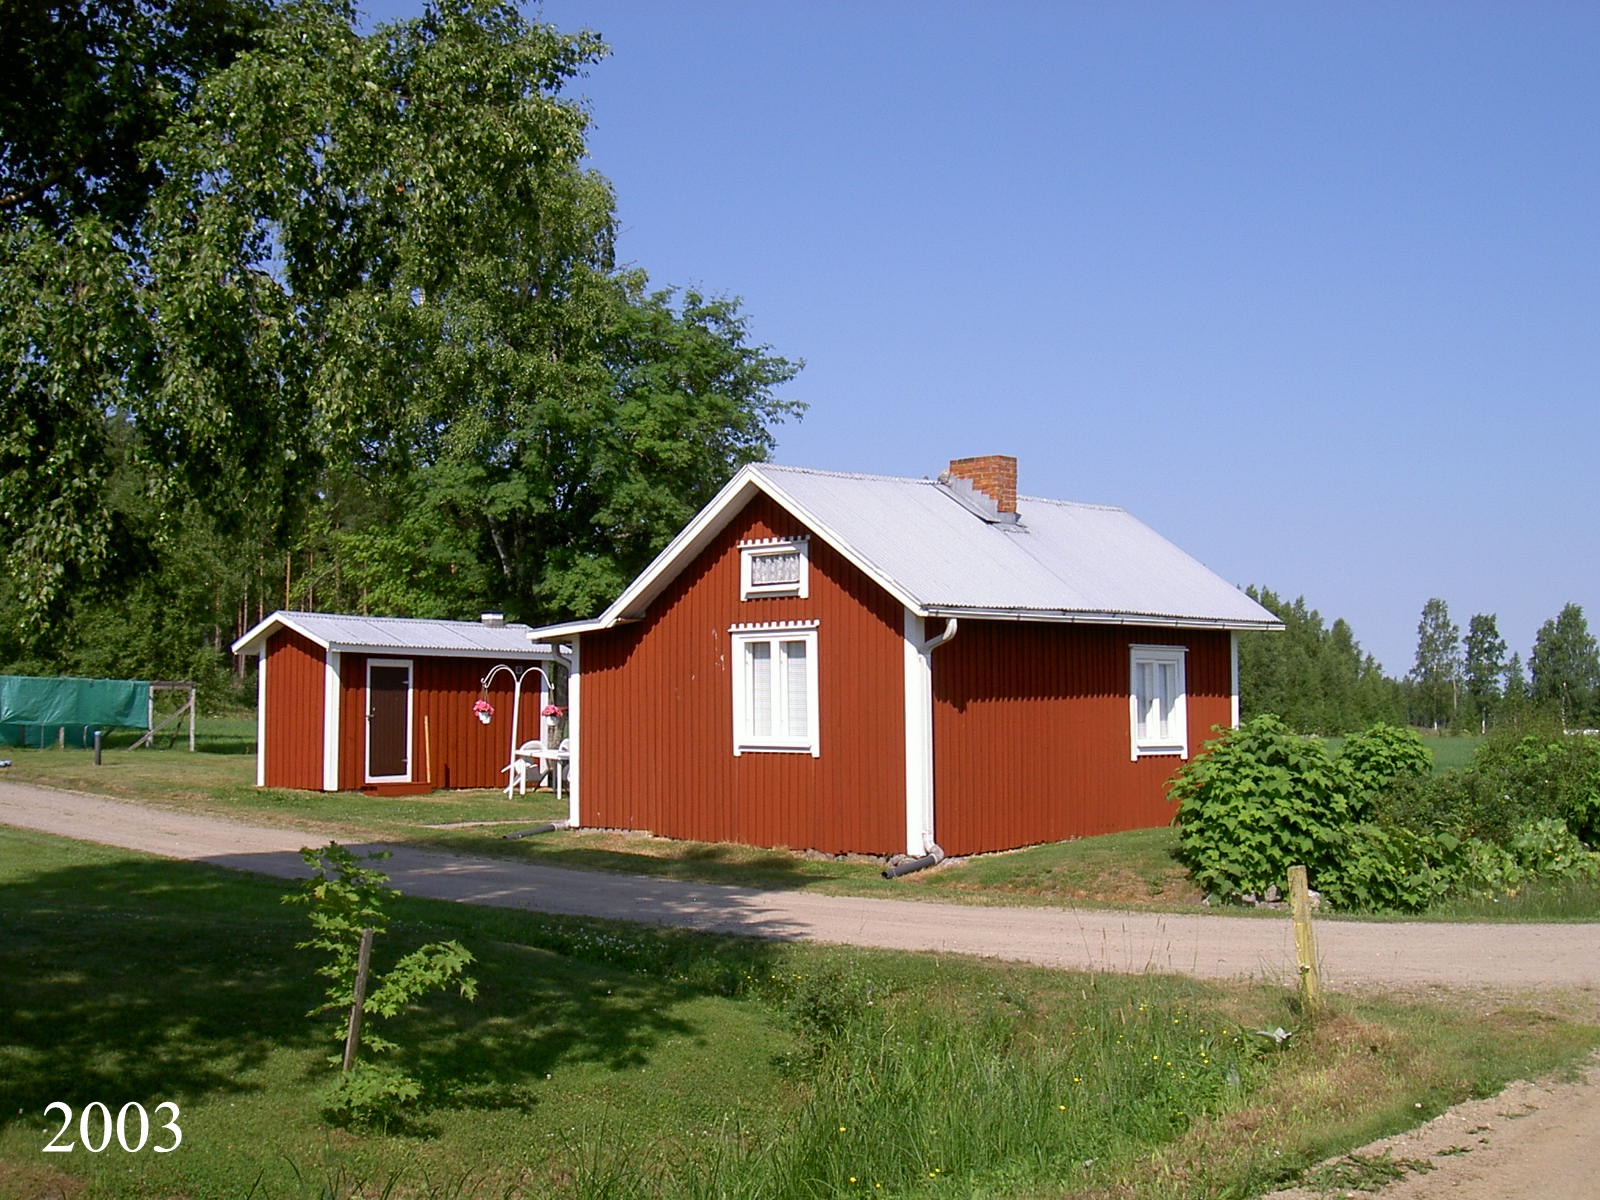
352 1037
1305 943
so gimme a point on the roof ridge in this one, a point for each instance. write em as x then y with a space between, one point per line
1073 503
844 474
927 480
332 616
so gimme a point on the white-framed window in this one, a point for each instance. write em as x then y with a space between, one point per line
1158 701
774 567
775 688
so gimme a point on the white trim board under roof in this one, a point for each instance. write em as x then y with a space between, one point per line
396 635
1061 561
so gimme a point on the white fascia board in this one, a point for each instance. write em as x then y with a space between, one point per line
255 641
392 651
692 538
701 531
1056 617
868 568
566 630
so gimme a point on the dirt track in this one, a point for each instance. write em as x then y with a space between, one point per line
1510 1156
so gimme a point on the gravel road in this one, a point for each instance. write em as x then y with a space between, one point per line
1536 1139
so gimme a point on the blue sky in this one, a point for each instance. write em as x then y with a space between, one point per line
1312 289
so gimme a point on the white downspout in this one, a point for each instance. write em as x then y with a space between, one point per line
1233 669
919 730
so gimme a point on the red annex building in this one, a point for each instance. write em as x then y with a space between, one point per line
385 704
857 663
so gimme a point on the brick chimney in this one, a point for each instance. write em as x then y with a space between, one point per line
995 475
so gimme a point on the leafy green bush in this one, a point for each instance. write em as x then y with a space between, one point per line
1391 870
1518 776
1543 851
1375 760
1259 800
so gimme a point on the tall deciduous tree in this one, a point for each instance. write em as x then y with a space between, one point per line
1436 675
368 307
85 85
1484 666
1565 667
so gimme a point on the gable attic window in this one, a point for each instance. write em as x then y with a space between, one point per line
774 567
1158 701
775 688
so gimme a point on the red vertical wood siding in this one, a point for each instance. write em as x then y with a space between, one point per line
292 741
1031 737
657 745
450 747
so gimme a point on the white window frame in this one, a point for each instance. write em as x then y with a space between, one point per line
750 551
1152 741
745 739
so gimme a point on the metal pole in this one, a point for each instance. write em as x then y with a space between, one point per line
97 747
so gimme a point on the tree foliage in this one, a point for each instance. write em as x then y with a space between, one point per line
350 305
1315 678
1436 675
1484 666
1565 667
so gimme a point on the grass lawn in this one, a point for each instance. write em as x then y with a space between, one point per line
1138 869
608 1060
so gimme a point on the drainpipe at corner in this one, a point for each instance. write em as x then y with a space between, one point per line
920 842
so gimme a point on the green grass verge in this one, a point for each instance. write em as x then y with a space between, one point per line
1138 869
609 1060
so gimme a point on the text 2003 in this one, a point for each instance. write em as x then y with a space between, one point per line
96 1127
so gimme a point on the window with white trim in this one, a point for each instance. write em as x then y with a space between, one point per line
774 567
1158 701
775 688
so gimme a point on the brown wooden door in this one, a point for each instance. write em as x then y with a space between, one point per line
389 720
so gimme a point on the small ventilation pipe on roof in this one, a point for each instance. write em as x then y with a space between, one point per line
493 620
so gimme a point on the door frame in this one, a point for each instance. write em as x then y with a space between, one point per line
366 763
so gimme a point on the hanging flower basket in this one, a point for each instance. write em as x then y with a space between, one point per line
559 725
483 710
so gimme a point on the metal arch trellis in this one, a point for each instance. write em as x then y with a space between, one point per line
516 705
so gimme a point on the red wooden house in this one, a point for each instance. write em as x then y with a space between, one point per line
854 663
386 704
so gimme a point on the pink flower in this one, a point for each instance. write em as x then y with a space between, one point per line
552 710
483 706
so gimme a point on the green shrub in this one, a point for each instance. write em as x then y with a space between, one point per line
1516 778
1378 759
1391 870
1543 851
1259 800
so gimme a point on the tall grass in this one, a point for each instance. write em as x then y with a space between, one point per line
615 1061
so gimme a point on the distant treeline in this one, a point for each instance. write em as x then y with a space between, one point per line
1316 678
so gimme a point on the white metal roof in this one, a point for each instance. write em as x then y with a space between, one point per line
1060 561
385 635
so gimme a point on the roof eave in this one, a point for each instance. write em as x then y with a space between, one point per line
1070 617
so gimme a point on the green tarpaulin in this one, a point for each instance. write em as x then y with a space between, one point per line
33 709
